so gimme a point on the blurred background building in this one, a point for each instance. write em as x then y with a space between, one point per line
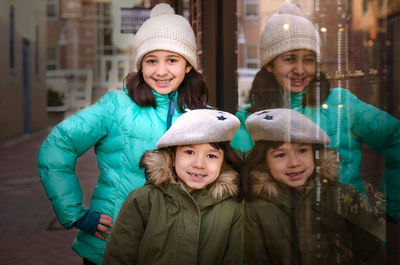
23 98
59 56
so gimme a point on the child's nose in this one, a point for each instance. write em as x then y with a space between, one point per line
299 68
161 69
294 161
198 162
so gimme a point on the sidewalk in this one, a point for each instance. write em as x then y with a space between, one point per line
29 231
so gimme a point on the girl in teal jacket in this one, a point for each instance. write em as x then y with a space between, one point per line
289 78
121 126
189 211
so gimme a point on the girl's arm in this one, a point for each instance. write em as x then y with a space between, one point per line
59 152
123 243
234 251
381 131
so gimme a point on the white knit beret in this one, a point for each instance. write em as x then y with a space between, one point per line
165 30
288 30
200 126
285 125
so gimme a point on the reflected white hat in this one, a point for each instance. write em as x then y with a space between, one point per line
288 30
165 30
200 126
285 125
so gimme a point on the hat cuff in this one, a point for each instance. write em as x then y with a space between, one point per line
277 49
154 44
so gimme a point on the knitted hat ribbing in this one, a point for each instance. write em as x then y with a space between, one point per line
165 30
288 30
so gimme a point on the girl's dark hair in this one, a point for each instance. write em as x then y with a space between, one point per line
193 91
231 160
257 158
265 92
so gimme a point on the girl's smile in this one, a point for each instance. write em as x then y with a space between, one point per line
291 164
197 165
164 71
293 70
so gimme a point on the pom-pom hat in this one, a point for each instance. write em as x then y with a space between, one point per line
285 125
288 30
200 126
165 30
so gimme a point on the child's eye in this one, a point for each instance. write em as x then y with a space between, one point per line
212 156
150 61
172 60
189 152
303 150
289 59
280 155
310 60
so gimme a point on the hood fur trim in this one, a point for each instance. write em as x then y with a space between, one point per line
262 183
158 168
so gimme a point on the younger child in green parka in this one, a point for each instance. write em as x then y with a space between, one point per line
296 210
189 211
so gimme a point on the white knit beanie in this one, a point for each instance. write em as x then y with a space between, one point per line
200 126
285 125
288 30
165 31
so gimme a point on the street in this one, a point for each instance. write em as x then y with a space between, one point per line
30 233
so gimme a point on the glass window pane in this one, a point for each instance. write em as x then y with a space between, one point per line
342 75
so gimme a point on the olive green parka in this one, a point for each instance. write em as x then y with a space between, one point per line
325 223
161 223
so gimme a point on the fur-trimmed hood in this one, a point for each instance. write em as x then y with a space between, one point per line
264 185
158 166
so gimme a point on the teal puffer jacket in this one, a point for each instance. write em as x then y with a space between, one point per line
349 122
120 131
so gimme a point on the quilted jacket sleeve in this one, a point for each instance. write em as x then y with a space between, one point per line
59 152
381 131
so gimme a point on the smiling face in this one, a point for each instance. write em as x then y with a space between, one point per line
293 70
291 163
164 71
198 165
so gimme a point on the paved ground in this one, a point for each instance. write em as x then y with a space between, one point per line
29 232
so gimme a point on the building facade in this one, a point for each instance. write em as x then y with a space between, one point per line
23 64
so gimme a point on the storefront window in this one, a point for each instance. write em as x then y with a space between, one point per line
355 58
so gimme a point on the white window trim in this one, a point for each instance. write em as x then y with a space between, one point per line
56 5
250 2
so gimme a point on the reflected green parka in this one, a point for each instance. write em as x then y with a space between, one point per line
326 223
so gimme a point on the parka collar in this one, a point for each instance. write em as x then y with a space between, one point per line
160 99
164 99
158 165
296 99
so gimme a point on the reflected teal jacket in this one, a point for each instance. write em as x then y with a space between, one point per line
120 131
349 122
